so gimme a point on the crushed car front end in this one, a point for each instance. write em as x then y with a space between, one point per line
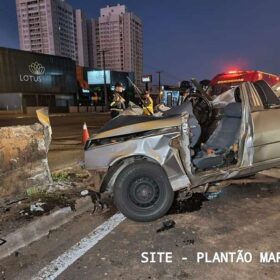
154 140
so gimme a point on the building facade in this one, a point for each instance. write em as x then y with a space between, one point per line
92 32
29 79
118 35
81 38
52 27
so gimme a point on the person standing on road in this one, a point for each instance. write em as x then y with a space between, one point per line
183 96
95 100
118 103
148 104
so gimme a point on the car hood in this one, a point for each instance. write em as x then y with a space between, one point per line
123 125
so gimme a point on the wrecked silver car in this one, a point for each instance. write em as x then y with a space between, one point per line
143 160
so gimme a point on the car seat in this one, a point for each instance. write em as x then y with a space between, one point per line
224 136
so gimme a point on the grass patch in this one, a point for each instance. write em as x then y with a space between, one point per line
50 198
34 193
70 175
60 177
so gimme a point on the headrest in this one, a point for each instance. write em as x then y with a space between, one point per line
233 110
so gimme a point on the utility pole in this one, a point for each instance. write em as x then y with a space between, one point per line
159 84
105 82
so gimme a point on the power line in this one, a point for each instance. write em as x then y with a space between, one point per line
165 73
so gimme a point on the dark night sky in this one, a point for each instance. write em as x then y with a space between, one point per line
190 38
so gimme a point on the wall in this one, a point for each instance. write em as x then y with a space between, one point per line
23 158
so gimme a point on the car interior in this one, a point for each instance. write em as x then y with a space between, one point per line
221 147
216 145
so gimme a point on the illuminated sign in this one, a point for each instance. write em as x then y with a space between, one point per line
37 70
28 72
147 79
96 77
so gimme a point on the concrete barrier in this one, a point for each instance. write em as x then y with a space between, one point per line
23 158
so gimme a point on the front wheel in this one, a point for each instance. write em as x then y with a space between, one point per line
142 192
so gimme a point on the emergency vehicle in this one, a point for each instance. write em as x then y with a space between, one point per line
227 80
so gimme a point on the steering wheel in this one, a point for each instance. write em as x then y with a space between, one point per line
202 107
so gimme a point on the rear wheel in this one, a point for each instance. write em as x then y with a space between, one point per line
142 192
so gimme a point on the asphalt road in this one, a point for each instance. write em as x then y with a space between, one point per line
66 147
244 217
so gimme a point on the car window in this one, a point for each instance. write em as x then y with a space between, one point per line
221 88
267 95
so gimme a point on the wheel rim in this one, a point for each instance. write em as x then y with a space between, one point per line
144 192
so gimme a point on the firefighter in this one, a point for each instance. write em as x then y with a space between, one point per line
148 104
118 103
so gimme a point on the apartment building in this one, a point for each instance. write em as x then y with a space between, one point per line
52 27
118 33
81 38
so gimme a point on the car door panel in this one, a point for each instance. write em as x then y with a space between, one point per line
266 135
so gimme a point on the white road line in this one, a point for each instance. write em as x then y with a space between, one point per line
57 266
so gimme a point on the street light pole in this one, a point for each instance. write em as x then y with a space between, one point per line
159 83
105 82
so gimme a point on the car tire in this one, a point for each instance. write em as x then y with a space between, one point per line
142 192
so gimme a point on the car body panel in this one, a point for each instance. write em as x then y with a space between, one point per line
266 135
266 128
156 148
140 127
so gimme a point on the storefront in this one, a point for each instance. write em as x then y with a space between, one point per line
32 80
91 85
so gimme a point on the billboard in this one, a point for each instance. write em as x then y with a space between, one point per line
146 79
28 72
96 77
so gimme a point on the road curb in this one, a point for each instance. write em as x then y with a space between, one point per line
42 226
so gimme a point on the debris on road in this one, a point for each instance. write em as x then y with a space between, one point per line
166 225
84 193
189 241
191 204
99 203
37 207
212 195
68 186
19 201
